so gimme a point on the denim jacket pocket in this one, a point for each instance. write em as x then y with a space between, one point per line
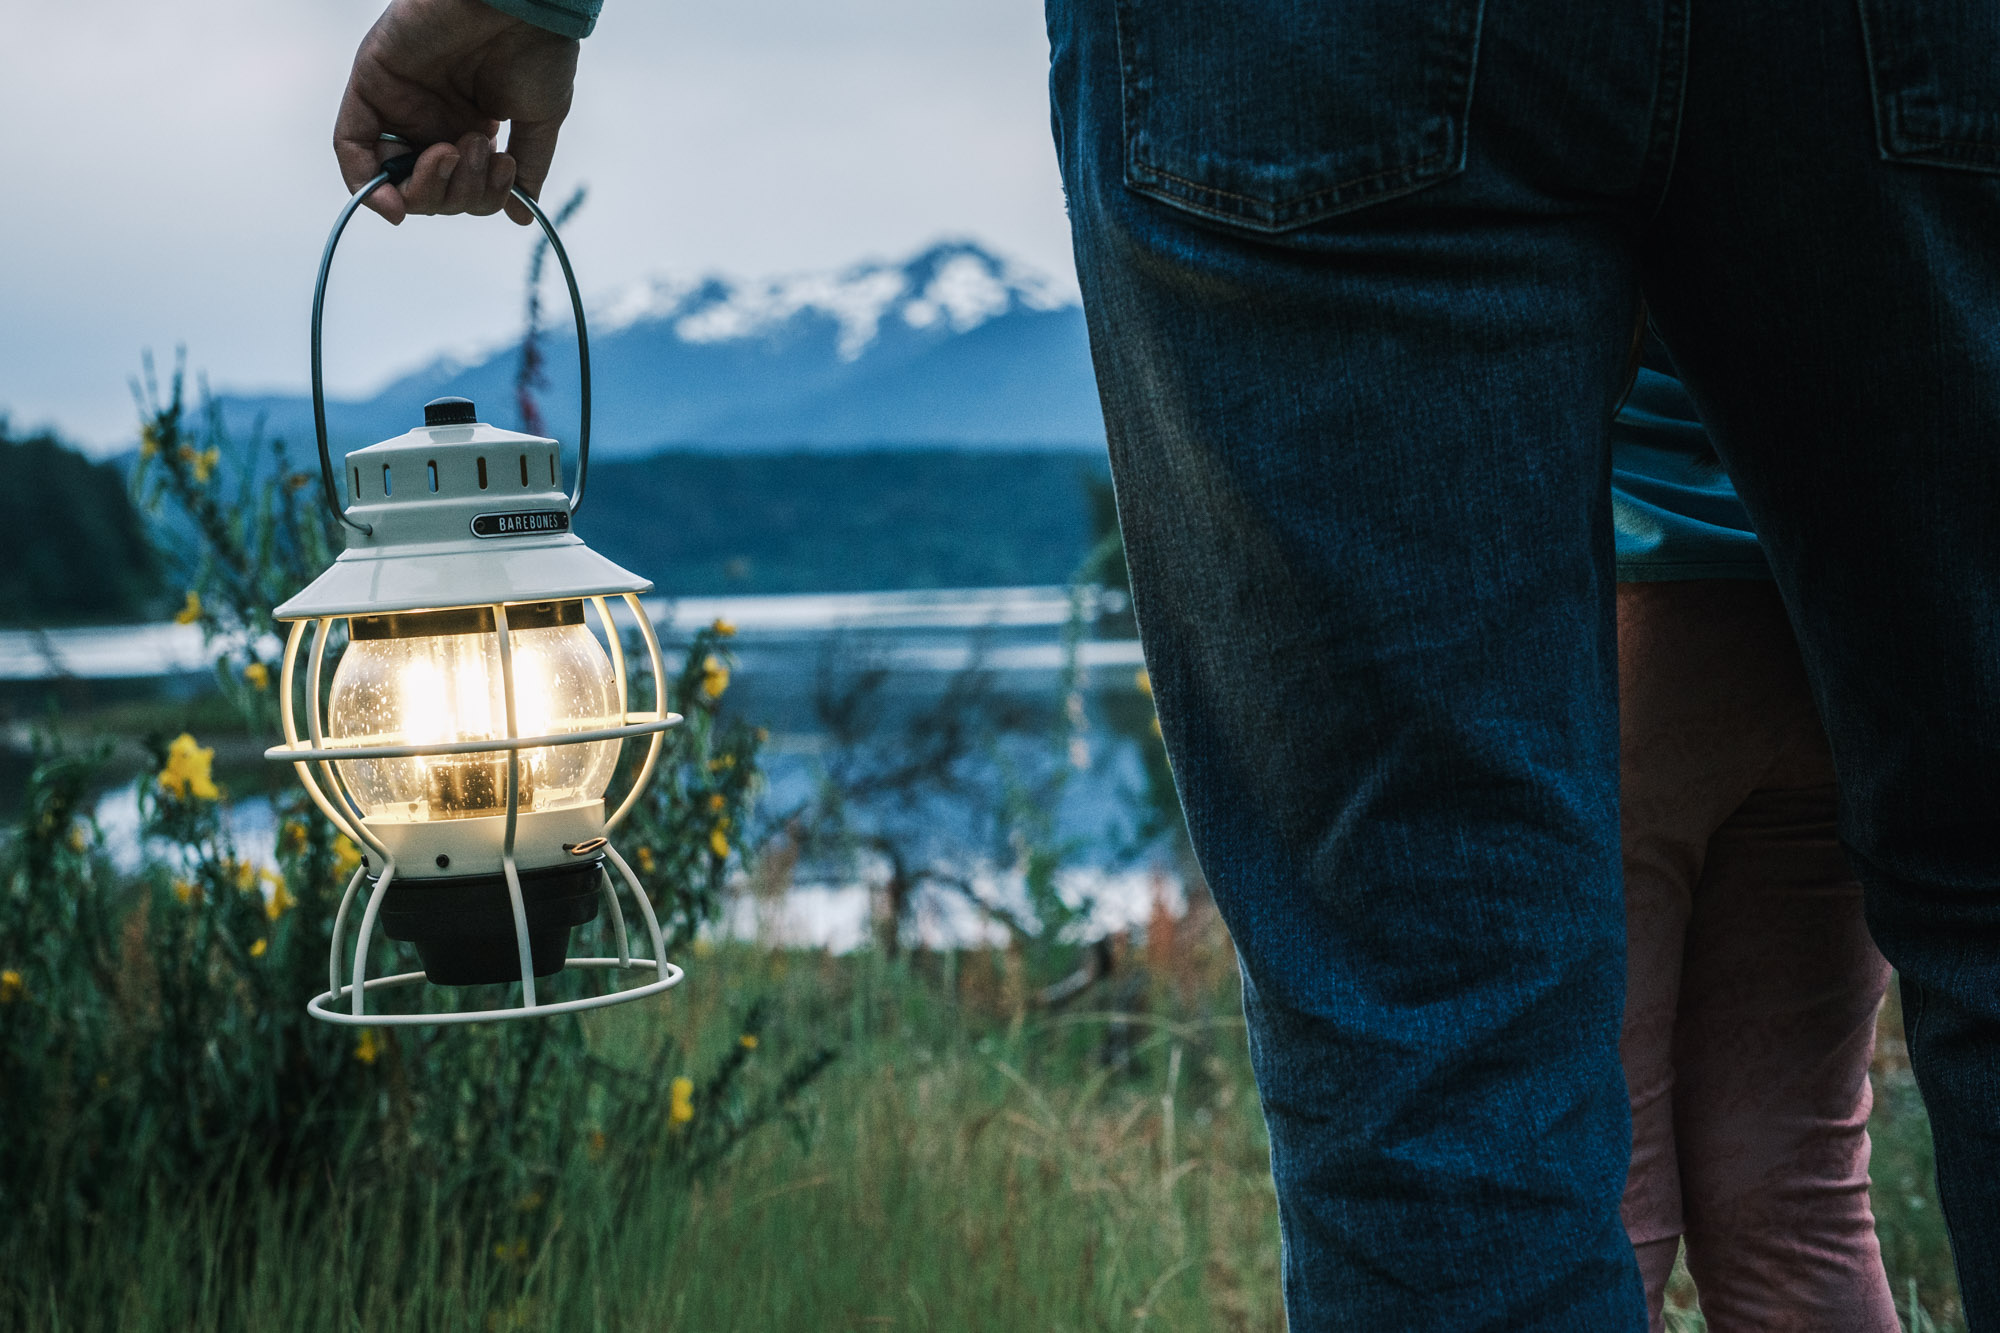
1275 114
1935 70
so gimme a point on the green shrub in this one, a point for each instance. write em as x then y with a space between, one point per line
154 1043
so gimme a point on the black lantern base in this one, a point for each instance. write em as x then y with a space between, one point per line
463 925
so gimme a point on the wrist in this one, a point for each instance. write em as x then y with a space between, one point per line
432 25
565 18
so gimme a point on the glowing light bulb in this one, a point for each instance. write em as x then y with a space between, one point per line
434 677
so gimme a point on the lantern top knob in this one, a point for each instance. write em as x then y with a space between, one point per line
450 412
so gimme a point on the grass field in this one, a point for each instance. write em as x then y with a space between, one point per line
966 1165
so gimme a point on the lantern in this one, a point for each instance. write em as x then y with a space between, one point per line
470 732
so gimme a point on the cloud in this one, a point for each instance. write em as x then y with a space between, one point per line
174 181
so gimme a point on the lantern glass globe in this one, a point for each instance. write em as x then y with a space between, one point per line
403 682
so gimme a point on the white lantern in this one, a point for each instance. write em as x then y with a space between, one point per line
472 728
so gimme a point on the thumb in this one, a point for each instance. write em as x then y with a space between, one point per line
532 145
357 148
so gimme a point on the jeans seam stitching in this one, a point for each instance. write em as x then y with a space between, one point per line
1878 108
1663 152
1421 164
1894 140
1431 166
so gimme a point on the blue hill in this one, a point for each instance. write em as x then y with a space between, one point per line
953 347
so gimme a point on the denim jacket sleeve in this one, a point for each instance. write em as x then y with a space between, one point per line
567 18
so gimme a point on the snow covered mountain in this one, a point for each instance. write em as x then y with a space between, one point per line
955 346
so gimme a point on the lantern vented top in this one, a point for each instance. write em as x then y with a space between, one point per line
450 412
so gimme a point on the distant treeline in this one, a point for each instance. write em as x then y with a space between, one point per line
704 523
73 550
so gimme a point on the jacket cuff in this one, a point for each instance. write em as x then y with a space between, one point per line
565 18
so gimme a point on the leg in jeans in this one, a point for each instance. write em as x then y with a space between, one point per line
1362 477
1750 1013
1826 268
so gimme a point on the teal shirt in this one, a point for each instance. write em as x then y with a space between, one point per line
566 18
1675 512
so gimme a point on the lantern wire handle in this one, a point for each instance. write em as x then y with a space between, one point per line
395 171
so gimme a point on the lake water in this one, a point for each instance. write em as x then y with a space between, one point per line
791 652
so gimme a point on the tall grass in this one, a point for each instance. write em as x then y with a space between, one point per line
963 1167
967 1165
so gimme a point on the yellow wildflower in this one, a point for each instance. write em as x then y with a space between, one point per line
723 628
722 763
714 676
716 801
245 875
260 948
258 675
680 1101
292 835
188 769
149 441
748 1041
190 609
185 891
201 462
366 1050
12 987
718 839
281 900
346 856
77 841
645 860
1144 680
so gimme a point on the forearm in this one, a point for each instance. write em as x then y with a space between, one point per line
566 18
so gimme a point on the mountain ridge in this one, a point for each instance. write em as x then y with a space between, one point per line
954 346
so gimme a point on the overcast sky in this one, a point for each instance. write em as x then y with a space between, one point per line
169 179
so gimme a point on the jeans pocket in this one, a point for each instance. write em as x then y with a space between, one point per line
1274 114
1935 69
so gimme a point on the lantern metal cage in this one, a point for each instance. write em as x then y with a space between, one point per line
485 563
330 792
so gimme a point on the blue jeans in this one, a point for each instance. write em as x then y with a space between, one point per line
1362 278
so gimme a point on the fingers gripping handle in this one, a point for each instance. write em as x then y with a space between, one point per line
394 172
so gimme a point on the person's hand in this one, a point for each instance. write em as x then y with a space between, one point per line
446 73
